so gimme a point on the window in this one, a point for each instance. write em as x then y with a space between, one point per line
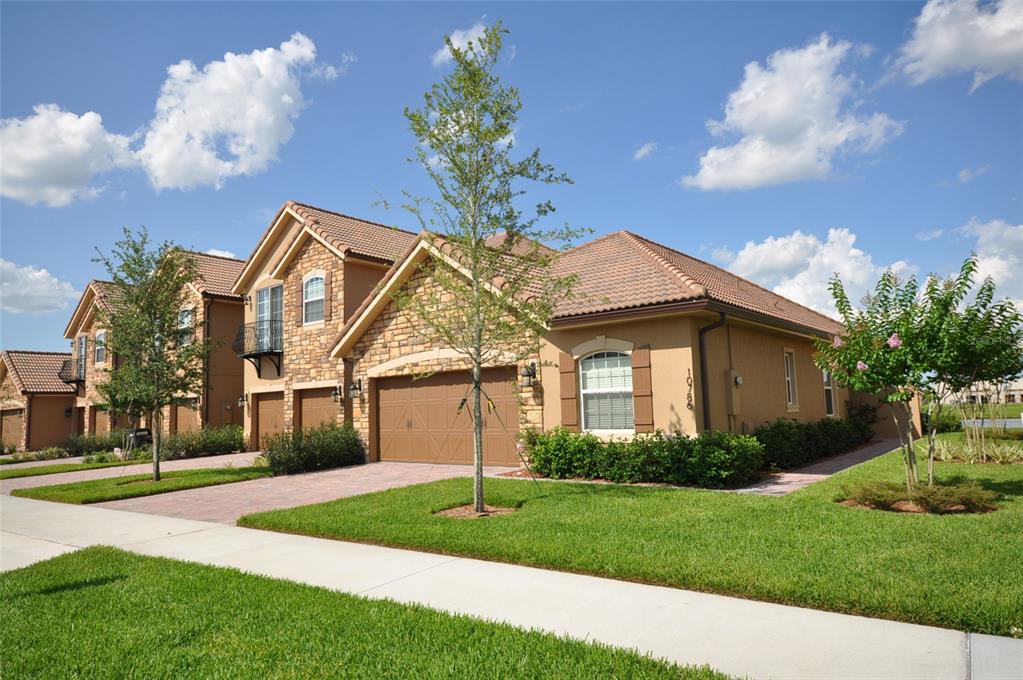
185 329
312 299
269 313
100 351
80 354
829 395
605 388
790 378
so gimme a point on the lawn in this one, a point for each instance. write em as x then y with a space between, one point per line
133 486
953 571
62 467
102 612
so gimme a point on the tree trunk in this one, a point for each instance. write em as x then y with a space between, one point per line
158 420
903 426
477 432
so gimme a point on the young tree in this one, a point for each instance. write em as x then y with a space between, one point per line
498 300
875 352
155 364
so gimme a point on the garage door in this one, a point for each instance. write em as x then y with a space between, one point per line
100 421
11 424
269 415
186 419
316 407
419 420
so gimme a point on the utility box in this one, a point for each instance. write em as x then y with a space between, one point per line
734 392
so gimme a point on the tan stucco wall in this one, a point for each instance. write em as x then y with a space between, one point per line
226 370
48 426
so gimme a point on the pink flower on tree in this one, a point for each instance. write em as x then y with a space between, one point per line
837 342
895 341
860 366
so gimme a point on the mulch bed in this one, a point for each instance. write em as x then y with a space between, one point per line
468 511
905 506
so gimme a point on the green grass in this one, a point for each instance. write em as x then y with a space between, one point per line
62 467
133 486
959 572
102 612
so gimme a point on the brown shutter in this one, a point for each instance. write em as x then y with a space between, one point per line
642 395
326 297
298 302
569 392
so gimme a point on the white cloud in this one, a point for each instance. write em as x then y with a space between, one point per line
331 72
999 249
960 36
969 174
54 156
221 253
460 39
29 290
800 265
792 116
930 235
644 151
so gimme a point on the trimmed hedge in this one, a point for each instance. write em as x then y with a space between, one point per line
712 460
319 448
790 443
210 441
83 444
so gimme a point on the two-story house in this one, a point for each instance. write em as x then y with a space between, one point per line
36 406
210 311
309 271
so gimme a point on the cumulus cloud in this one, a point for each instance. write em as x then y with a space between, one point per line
29 290
54 156
229 118
460 38
999 248
800 265
962 36
220 253
644 151
792 115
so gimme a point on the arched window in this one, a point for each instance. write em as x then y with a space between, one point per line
312 299
605 388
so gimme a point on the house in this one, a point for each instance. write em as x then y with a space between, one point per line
654 340
36 406
211 310
308 272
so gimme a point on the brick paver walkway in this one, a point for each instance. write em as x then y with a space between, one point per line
784 483
37 463
235 459
228 502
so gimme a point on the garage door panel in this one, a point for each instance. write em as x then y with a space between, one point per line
270 415
11 423
317 407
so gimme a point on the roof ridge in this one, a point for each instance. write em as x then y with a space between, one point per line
347 216
644 246
34 351
219 257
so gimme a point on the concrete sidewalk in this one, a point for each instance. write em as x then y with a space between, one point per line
736 636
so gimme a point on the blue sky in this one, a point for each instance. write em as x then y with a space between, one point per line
857 140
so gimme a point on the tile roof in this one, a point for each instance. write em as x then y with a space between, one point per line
36 372
217 273
353 235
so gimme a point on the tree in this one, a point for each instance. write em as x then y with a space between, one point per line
499 298
155 364
875 352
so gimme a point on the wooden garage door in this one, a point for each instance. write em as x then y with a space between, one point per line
11 424
419 420
186 418
269 414
316 407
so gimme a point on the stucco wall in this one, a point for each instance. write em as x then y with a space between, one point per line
226 381
48 426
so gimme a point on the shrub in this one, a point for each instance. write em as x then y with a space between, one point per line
49 453
939 499
989 451
83 444
713 460
947 421
319 448
784 443
210 441
102 457
789 443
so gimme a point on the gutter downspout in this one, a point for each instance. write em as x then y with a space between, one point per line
704 386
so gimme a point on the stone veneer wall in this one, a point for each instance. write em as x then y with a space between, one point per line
393 335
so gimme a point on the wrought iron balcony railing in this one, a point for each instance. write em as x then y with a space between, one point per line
72 371
258 338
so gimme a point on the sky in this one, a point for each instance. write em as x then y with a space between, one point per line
785 142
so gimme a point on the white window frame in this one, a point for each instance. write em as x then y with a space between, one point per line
99 348
183 328
583 392
311 276
791 392
829 391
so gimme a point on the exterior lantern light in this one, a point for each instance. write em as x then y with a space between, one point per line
243 400
528 374
355 389
335 394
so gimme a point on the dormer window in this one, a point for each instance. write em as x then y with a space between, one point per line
312 300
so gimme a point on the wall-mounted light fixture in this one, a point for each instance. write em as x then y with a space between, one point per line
335 394
243 400
247 300
355 389
67 413
738 380
528 374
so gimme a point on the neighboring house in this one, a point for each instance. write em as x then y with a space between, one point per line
654 340
1010 392
36 406
309 271
211 311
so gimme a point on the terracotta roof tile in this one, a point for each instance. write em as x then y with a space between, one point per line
36 372
357 236
217 273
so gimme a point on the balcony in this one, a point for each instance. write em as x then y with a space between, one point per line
258 339
72 372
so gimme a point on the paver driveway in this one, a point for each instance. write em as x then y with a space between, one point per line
227 502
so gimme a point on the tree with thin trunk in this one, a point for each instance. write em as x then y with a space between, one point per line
157 361
493 305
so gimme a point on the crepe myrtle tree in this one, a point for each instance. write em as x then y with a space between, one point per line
496 302
875 352
156 364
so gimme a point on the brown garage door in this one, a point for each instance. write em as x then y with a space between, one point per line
269 415
419 421
100 421
316 407
11 424
186 418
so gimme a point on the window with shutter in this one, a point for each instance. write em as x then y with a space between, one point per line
605 389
